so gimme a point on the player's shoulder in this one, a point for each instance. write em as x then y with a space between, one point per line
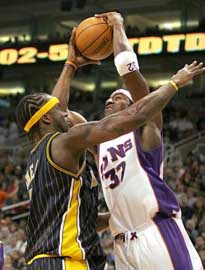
77 118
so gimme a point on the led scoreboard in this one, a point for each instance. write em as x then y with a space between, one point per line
153 45
33 54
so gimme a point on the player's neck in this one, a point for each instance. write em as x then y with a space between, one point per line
43 132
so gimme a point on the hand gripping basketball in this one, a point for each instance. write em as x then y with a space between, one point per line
112 18
74 56
94 38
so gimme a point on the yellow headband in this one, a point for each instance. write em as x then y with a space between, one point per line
43 110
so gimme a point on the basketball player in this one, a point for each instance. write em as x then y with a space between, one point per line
145 215
61 229
89 237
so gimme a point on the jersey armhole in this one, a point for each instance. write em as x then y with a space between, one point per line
56 166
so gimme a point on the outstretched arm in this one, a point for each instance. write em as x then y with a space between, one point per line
136 115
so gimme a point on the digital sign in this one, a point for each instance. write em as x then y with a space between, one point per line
33 54
152 45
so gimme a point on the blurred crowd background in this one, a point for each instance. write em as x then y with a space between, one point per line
40 24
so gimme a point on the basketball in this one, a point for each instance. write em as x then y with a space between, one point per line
94 38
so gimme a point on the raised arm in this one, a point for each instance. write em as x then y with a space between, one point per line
62 87
121 44
127 63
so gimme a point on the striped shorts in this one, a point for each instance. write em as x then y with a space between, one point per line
57 264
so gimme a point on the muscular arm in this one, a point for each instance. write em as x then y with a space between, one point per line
62 92
137 84
115 125
67 148
62 87
80 137
136 115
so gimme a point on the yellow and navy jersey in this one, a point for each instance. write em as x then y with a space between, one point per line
63 210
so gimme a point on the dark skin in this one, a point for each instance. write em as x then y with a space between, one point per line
69 147
62 87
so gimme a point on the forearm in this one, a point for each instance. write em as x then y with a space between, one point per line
120 41
123 122
134 81
62 87
103 221
155 102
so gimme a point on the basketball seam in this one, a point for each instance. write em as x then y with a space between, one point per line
106 48
103 50
87 28
95 40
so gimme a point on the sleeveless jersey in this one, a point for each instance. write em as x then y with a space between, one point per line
63 210
132 183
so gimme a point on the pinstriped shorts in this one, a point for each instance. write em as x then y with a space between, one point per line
46 264
56 264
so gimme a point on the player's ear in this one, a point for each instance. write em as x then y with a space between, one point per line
46 119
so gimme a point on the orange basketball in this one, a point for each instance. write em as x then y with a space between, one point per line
94 38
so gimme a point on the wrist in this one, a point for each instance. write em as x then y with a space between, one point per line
175 84
126 62
71 64
117 25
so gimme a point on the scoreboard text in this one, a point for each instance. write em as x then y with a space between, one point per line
153 45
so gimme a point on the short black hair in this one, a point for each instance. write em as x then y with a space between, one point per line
26 108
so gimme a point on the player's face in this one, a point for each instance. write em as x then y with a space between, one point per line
115 104
60 119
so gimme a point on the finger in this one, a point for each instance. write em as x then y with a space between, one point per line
188 67
72 38
199 66
193 64
102 15
200 71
